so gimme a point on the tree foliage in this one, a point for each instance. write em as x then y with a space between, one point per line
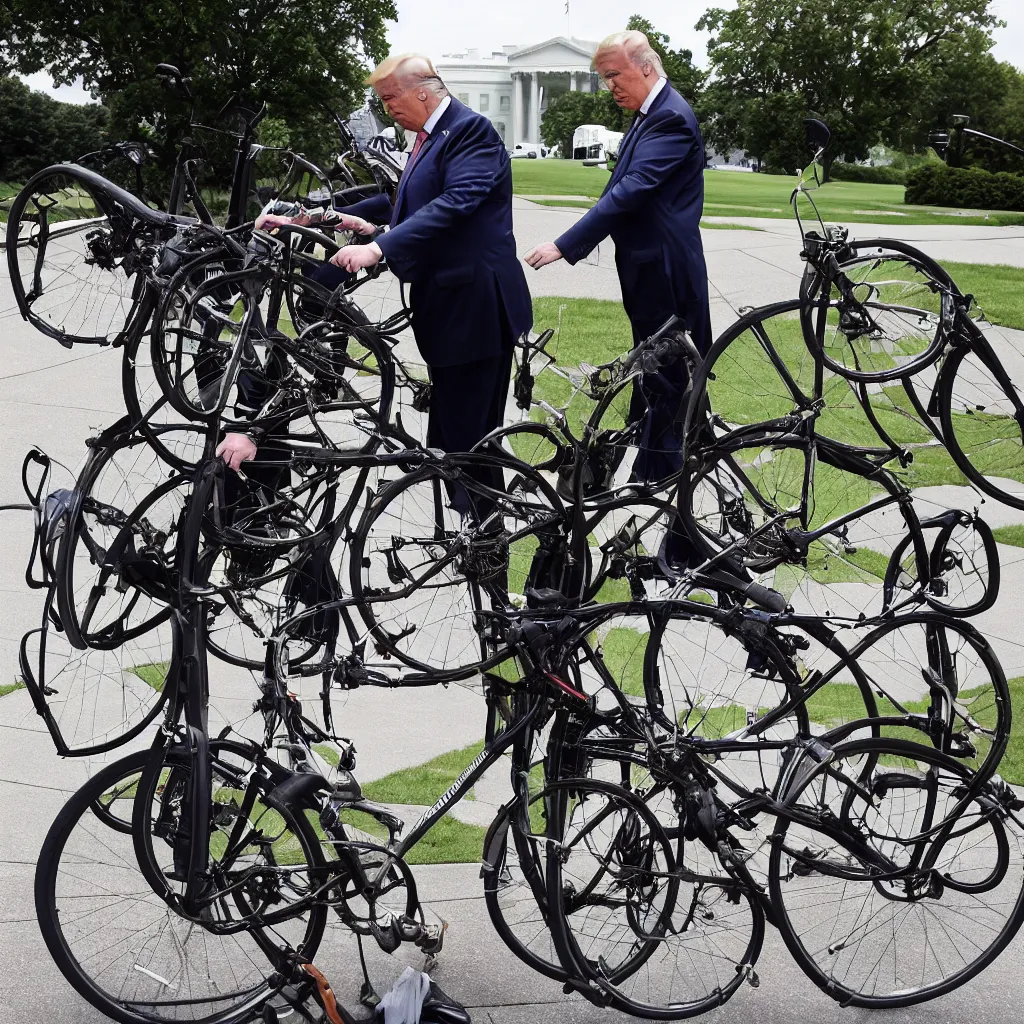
869 68
296 57
37 130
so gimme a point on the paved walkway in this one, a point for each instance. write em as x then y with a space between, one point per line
55 398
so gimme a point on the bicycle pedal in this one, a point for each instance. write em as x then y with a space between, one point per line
431 940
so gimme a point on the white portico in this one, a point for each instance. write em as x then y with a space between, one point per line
513 86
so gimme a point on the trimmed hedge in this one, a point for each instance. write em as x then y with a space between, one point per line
964 188
868 175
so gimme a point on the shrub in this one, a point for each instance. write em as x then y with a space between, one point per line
870 175
964 188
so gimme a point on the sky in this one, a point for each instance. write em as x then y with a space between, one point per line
436 28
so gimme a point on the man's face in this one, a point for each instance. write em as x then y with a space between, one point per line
628 83
403 104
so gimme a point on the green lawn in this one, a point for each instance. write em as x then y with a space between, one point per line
734 194
7 688
999 290
154 675
450 841
1013 535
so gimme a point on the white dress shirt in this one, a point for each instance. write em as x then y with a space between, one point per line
651 96
436 116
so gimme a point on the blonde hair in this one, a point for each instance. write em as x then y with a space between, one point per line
636 46
410 70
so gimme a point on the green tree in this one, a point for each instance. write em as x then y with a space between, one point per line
862 66
296 57
686 78
36 130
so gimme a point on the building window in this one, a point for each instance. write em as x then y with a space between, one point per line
485 103
499 127
464 98
504 104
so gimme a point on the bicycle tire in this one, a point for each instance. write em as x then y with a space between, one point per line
968 427
651 940
800 860
55 924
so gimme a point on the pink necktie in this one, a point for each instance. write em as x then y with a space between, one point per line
421 137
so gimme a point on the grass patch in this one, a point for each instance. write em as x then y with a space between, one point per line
1013 535
715 722
837 703
728 194
999 290
623 651
7 688
424 783
583 204
449 841
727 226
826 566
586 204
558 178
154 675
587 330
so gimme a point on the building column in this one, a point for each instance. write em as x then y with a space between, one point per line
572 81
518 124
586 81
534 107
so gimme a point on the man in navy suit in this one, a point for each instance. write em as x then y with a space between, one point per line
651 208
449 236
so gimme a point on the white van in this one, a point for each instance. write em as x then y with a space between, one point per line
595 142
531 150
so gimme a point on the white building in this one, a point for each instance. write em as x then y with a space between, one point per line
513 86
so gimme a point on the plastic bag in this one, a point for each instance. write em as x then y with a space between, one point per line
404 1002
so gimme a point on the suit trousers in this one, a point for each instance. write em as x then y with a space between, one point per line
657 402
467 402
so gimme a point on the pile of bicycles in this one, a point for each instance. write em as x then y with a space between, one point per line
746 692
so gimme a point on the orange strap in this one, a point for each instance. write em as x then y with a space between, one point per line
330 1004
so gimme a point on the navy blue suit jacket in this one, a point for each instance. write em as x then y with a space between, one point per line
651 208
451 240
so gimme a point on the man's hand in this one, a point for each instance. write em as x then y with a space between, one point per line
357 257
236 449
545 253
269 221
349 223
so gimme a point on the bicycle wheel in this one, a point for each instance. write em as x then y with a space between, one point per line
118 943
74 253
264 550
349 383
982 413
883 316
514 878
938 681
761 370
660 933
168 433
514 871
423 574
887 888
116 555
769 501
96 699
207 323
